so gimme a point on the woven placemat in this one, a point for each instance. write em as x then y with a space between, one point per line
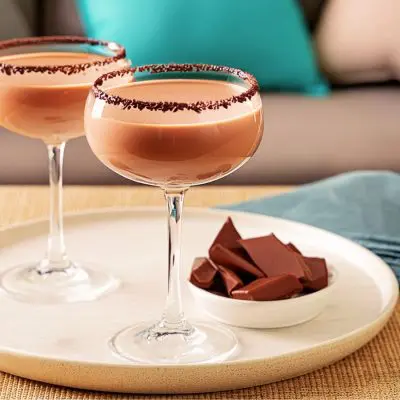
373 372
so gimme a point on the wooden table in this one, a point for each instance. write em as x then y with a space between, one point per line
371 373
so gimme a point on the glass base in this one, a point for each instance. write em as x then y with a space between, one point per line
73 283
187 344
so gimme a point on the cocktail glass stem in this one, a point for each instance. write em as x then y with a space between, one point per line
56 258
173 340
56 279
173 317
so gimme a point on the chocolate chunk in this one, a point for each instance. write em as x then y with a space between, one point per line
218 285
241 252
306 269
275 288
292 247
228 236
319 274
300 259
203 273
230 279
222 256
273 257
261 268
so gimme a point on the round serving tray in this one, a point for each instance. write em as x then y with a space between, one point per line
68 344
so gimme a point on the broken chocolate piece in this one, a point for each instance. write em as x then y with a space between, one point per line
231 280
306 269
203 273
241 252
275 288
319 274
222 256
273 257
292 247
228 236
300 258
219 285
261 268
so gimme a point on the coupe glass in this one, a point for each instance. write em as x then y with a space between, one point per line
174 126
44 83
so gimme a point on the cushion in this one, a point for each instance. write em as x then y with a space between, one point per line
357 40
266 37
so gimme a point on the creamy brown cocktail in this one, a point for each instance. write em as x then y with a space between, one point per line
44 83
174 126
44 106
176 148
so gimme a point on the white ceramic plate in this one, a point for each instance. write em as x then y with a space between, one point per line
67 345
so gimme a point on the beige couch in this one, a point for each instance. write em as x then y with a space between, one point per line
305 138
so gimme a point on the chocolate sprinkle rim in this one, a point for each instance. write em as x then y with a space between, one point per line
165 106
67 69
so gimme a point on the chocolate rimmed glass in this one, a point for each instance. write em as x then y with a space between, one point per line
174 126
44 83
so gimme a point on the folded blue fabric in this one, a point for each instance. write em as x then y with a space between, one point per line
362 206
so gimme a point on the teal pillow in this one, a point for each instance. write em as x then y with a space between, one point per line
265 37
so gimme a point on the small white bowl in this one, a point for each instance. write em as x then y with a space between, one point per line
265 314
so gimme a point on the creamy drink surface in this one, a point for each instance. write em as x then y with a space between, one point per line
42 105
174 148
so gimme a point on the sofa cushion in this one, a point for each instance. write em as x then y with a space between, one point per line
267 38
357 40
61 17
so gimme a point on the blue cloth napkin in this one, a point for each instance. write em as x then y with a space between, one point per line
362 206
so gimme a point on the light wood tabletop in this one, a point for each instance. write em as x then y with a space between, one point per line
373 372
21 203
